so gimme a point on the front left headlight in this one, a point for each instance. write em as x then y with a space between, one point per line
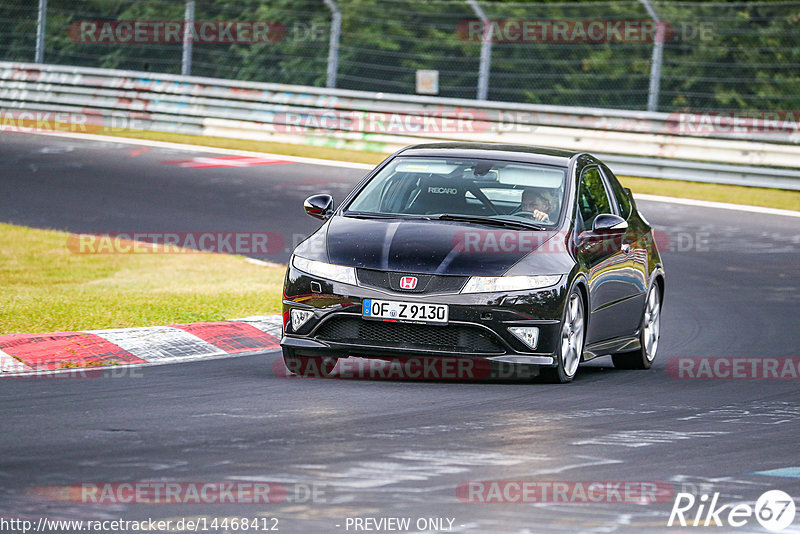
492 284
329 271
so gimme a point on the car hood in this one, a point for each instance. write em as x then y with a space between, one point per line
436 247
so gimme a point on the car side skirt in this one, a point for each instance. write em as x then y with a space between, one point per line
611 346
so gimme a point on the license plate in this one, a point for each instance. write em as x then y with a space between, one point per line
404 311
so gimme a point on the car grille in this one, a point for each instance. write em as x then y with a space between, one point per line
427 283
452 338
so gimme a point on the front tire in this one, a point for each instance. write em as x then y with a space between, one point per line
649 334
573 335
308 366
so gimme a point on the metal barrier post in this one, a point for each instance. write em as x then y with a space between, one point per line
486 51
655 65
41 24
333 46
188 22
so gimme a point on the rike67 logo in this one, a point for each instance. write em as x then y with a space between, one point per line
774 510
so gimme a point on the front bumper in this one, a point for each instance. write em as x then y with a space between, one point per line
478 323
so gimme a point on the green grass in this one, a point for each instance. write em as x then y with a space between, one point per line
734 194
753 196
48 288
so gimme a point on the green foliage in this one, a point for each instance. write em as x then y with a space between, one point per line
718 55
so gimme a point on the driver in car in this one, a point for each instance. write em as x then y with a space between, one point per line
536 204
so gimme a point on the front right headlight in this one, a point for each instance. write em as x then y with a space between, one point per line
329 271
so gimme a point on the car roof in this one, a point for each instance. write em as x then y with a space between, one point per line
521 153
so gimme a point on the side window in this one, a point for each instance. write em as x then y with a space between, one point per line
592 197
622 199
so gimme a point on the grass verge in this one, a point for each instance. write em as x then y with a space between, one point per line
47 288
733 194
287 149
753 196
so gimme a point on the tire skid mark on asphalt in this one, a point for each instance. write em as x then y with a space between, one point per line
583 461
646 438
407 466
754 413
533 422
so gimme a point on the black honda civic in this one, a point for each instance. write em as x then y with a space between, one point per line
502 254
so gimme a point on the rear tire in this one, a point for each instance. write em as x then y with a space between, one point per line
570 348
649 334
309 366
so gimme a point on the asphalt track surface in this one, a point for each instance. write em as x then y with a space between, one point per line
382 448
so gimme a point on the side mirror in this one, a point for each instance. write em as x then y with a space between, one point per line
319 206
606 223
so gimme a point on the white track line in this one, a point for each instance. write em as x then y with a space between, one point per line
349 165
720 205
202 148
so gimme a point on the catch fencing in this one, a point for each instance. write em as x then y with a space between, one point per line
633 54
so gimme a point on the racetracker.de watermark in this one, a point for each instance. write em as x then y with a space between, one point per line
23 121
81 370
410 121
735 122
565 31
175 32
734 368
176 243
517 242
408 368
523 242
564 491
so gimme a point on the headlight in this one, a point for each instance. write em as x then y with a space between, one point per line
329 271
491 284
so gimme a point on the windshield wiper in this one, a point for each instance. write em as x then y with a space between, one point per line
489 221
378 215
369 215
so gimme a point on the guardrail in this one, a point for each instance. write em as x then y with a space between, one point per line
635 143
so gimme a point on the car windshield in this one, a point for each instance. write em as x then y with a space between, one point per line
472 188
